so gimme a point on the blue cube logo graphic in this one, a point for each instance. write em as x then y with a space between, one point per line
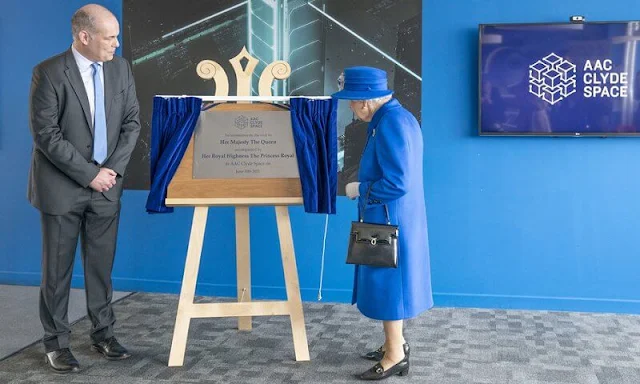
552 78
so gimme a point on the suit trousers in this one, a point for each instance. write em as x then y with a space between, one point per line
95 219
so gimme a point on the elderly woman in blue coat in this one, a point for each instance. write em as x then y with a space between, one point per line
390 174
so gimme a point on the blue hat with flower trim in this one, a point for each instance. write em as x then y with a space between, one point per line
362 83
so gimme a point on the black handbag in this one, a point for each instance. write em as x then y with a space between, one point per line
374 245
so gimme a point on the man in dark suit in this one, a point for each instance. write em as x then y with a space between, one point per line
84 121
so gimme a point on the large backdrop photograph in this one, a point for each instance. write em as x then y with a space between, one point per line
165 41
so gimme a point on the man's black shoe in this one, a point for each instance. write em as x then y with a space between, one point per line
111 349
61 361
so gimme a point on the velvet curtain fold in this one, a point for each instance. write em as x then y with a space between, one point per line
173 123
315 135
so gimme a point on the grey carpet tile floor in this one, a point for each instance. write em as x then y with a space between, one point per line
449 346
20 322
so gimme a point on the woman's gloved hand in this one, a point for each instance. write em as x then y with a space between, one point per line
353 190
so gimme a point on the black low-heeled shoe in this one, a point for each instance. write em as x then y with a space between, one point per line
378 354
377 372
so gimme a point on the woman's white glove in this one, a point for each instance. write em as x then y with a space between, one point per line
353 190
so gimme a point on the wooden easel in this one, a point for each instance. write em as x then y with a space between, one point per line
184 190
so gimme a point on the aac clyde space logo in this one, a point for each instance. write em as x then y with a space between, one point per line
242 122
553 79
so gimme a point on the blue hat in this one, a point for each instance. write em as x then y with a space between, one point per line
363 83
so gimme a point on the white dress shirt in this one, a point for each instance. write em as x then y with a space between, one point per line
86 72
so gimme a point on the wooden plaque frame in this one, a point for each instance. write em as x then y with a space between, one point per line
184 190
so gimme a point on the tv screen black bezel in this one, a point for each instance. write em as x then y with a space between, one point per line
539 134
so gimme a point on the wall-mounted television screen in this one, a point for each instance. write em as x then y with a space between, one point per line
560 79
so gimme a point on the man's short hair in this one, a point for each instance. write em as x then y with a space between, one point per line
82 20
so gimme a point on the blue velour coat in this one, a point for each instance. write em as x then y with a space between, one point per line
391 165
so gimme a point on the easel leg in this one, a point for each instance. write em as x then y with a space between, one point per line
188 291
292 283
243 264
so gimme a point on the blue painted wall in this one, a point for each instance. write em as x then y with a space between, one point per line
534 223
522 222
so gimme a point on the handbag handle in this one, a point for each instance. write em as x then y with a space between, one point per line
366 199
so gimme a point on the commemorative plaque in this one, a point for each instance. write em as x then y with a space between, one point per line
244 144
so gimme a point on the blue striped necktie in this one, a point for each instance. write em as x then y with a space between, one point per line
99 119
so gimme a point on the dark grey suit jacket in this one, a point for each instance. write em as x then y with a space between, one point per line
62 129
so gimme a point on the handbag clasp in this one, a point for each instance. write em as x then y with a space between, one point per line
374 240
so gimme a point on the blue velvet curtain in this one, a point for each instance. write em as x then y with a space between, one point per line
173 123
315 136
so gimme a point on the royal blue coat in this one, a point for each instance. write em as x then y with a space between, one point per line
391 165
